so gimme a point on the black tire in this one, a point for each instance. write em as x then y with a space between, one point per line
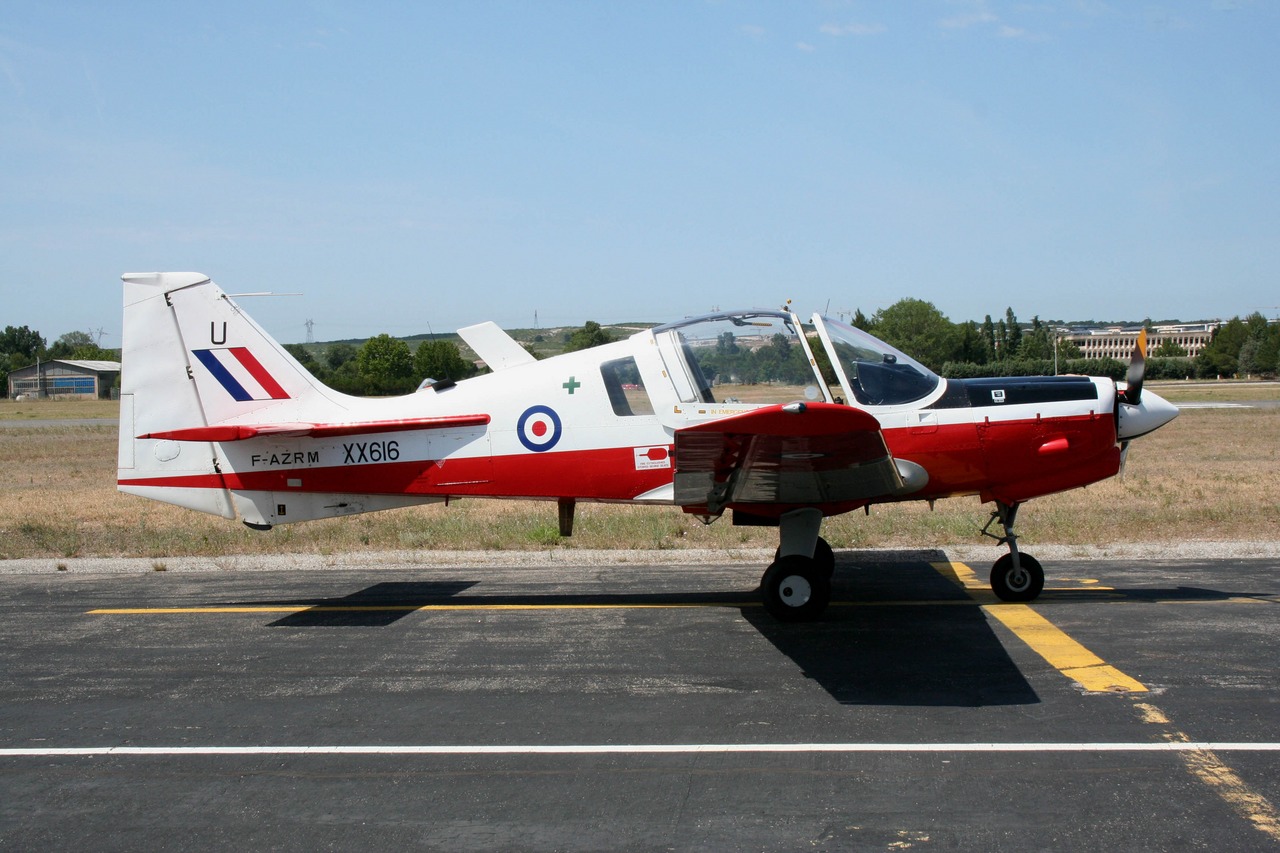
822 555
795 589
1009 587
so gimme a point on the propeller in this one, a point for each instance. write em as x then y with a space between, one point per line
1132 393
1137 369
1136 417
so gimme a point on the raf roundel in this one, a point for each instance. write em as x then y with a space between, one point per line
539 428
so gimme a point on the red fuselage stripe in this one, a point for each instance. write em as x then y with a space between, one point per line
998 459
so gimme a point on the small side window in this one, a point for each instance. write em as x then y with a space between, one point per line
625 387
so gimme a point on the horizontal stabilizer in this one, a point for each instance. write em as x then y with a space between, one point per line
240 432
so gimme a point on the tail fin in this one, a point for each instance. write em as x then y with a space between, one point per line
192 358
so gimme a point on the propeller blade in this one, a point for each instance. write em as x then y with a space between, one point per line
1124 457
1137 369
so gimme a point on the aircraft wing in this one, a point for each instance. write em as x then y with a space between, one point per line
801 454
240 432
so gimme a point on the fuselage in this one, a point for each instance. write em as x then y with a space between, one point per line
250 433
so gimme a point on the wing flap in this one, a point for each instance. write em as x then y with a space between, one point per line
240 432
796 455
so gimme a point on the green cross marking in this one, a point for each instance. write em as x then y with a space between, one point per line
572 384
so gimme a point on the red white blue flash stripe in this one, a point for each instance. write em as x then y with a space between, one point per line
242 375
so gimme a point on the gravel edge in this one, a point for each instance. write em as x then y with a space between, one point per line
1157 551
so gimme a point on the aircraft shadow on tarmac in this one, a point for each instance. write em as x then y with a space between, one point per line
897 633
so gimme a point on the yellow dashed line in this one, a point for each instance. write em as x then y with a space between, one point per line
1205 765
961 574
404 608
1045 639
1063 653
1091 672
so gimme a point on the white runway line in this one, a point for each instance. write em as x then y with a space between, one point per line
635 749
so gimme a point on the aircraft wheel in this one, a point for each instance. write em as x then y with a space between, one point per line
795 589
1020 586
822 555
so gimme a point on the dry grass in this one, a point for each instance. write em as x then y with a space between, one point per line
58 409
1211 475
1217 392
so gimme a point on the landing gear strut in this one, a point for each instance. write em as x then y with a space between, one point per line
1015 576
797 585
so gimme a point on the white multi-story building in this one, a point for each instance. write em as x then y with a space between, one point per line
1116 342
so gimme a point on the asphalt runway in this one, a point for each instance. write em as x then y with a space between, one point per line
1135 706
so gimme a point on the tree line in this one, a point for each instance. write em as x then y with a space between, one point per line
383 365
1245 348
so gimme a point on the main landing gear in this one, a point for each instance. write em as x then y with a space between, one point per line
1015 576
797 585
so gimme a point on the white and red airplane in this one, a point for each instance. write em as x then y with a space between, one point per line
748 411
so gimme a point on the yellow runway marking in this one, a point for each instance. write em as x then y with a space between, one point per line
403 608
1063 653
1205 765
1075 661
1045 639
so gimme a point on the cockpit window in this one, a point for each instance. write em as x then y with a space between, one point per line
876 373
744 357
625 387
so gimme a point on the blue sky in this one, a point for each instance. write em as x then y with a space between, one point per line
416 165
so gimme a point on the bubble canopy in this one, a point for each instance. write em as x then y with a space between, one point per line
760 348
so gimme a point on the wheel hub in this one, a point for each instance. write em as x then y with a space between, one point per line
794 591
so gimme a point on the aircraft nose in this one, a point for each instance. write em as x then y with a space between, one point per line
1149 415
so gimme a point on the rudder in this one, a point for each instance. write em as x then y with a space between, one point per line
193 358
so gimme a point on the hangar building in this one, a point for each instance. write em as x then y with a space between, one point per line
65 378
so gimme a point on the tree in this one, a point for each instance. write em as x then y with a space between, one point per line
67 345
305 358
989 337
1068 348
21 341
440 360
590 335
1221 355
1169 348
1013 343
919 329
1266 345
972 347
339 354
1247 361
386 365
80 345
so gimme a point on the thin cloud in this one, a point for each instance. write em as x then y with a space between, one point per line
852 29
978 13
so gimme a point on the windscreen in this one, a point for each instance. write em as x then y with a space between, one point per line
871 371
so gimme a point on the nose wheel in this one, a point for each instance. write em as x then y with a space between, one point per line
1015 576
1022 581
